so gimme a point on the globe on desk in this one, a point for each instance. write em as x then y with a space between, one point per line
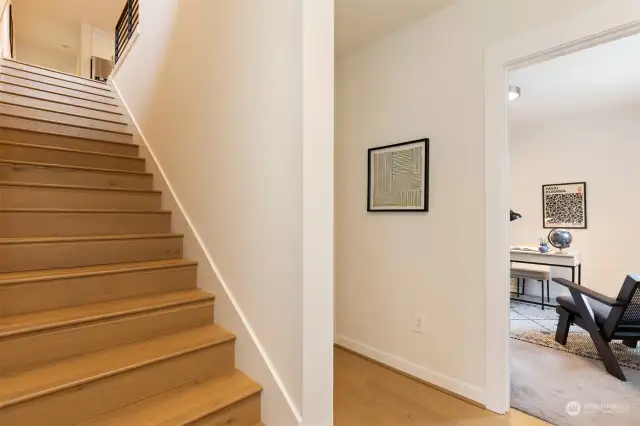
560 238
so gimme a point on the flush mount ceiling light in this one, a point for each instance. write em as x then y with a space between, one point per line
514 93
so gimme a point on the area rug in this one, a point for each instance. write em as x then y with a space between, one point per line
568 386
537 326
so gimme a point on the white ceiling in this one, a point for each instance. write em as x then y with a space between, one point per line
361 22
54 23
602 77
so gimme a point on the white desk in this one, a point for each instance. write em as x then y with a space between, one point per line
569 259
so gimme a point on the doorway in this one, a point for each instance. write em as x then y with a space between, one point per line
605 23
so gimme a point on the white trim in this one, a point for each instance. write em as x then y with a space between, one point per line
236 306
127 48
430 376
607 21
317 211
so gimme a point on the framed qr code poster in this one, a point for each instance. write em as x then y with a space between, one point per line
564 205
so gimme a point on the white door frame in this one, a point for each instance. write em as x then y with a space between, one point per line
608 21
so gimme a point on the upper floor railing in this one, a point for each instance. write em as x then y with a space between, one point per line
126 26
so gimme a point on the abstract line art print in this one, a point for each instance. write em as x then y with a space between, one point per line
399 177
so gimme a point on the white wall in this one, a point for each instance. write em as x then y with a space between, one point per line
425 81
602 149
37 54
216 88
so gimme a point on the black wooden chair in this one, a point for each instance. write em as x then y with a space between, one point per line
605 319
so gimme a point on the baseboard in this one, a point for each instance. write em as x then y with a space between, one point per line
448 385
191 231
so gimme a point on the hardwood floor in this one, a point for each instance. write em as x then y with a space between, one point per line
367 394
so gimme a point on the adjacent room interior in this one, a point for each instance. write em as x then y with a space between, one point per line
574 123
72 36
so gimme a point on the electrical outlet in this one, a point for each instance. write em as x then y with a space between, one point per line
418 322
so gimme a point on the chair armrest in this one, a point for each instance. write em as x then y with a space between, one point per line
588 292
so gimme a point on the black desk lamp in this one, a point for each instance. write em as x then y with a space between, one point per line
514 215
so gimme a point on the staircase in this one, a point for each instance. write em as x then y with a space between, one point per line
101 320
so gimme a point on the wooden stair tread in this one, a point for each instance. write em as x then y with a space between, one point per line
28 323
39 108
81 271
79 187
15 89
27 82
64 166
95 83
12 73
18 387
78 238
62 123
181 406
77 151
83 211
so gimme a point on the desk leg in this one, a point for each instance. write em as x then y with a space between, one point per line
580 274
573 274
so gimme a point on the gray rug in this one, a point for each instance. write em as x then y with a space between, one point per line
545 381
531 324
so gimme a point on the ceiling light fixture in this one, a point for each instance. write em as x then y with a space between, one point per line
514 93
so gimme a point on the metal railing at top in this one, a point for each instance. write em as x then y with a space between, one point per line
126 26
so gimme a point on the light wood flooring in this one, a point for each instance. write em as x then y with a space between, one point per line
367 394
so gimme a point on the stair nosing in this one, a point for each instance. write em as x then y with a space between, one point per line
71 150
114 372
62 123
82 211
84 168
2 90
79 187
54 92
86 238
144 266
58 72
199 298
4 72
39 108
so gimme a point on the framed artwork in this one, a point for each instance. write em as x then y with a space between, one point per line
564 205
398 178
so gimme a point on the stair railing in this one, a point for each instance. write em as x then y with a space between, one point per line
126 25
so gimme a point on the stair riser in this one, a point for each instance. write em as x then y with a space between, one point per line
242 413
84 401
69 158
24 173
57 198
54 97
38 296
61 129
20 96
57 82
61 141
39 348
37 224
66 77
71 120
70 93
38 256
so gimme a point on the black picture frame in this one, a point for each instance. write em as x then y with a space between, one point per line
564 225
425 177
